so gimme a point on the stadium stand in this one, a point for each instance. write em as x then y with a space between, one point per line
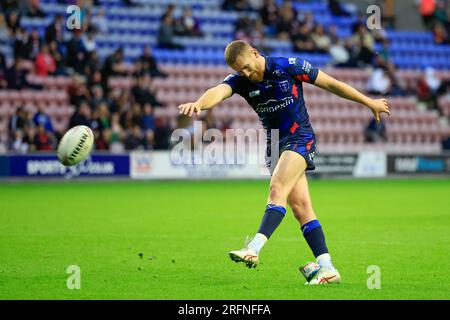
339 123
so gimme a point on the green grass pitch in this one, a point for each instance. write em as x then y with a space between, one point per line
169 240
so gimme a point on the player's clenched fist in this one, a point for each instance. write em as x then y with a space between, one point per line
189 108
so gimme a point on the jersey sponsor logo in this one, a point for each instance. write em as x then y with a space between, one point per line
292 60
306 67
284 85
262 107
254 93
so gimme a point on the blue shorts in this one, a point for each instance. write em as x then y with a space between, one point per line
304 144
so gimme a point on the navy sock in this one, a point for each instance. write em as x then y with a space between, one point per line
272 218
313 233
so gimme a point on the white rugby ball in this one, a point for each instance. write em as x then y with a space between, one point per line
75 145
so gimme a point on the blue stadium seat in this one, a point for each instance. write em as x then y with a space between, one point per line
135 27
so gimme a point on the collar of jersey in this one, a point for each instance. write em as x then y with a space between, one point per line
268 67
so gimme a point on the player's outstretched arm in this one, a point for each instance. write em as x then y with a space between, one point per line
377 106
208 100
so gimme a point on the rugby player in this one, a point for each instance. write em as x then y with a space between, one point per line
272 86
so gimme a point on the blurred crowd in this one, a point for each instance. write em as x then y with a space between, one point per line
308 35
171 26
123 118
435 17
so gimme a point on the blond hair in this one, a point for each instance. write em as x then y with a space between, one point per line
234 49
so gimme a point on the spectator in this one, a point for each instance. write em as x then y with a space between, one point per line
249 30
88 42
301 39
44 64
54 32
13 22
148 140
119 100
59 59
322 41
112 66
17 76
97 96
286 21
344 54
43 140
375 131
29 122
117 134
99 22
431 79
442 15
20 46
136 115
92 65
242 26
33 45
126 120
102 119
18 144
150 65
426 10
17 121
82 116
440 35
170 11
256 36
339 51
148 119
430 88
364 41
33 10
162 134
101 126
379 83
187 24
77 90
142 93
380 35
166 34
4 32
383 59
42 119
397 88
440 12
308 19
30 138
76 57
269 16
134 139
101 140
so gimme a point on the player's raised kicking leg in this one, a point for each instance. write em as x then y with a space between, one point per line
322 271
288 170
